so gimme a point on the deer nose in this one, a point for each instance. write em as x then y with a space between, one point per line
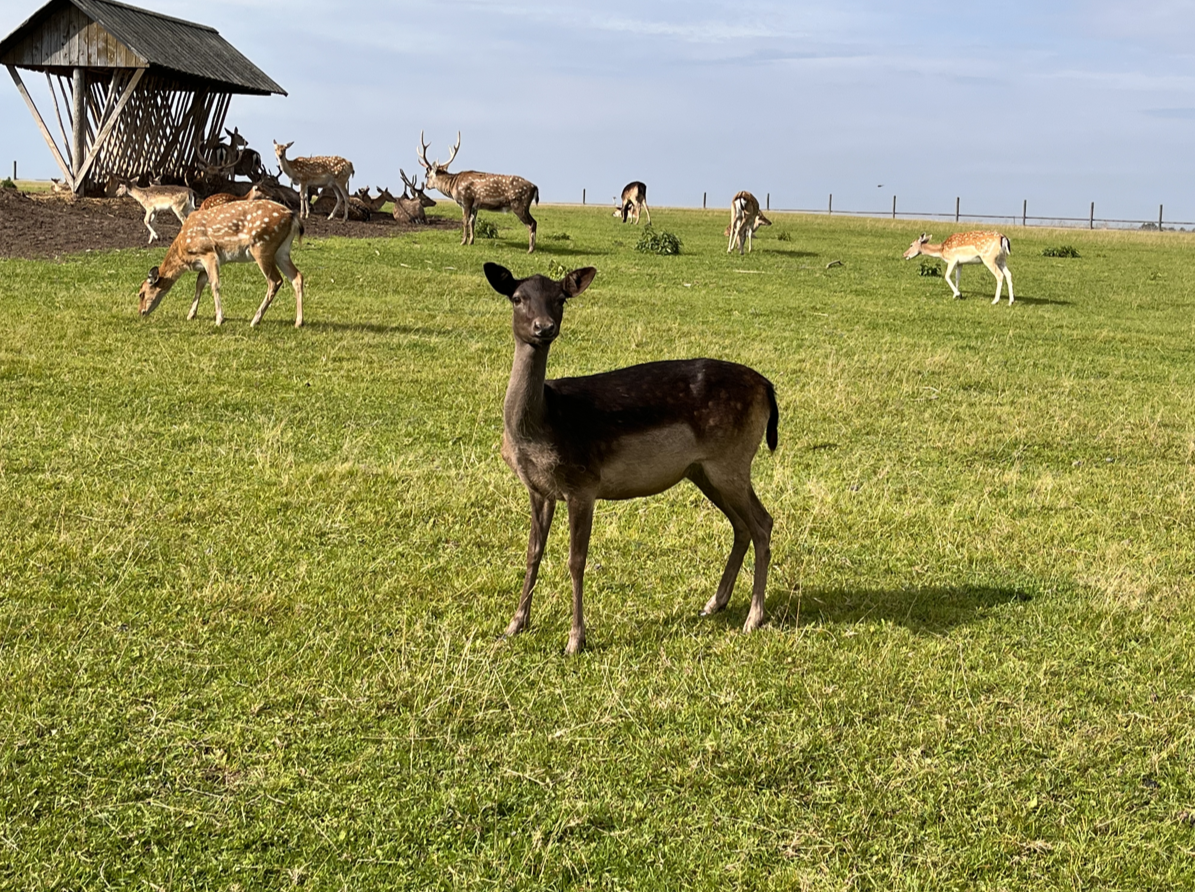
544 329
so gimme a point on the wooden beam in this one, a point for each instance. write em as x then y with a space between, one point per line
79 124
45 131
106 129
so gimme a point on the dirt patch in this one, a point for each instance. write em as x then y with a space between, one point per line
43 225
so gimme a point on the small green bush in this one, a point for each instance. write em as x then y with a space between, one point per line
652 242
557 270
929 268
1060 251
485 229
7 183
784 236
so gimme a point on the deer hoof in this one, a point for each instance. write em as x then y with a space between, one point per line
576 644
516 626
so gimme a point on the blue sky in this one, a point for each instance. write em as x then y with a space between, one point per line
1060 103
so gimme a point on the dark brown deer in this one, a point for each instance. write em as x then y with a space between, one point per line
634 198
475 191
409 208
236 232
628 433
745 218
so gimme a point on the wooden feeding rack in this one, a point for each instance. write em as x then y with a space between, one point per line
142 93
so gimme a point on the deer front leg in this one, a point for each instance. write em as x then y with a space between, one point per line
541 523
213 273
761 539
580 524
149 224
200 282
952 267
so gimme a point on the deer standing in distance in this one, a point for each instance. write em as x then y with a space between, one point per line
475 191
178 199
634 198
410 208
322 171
628 433
745 218
979 246
235 232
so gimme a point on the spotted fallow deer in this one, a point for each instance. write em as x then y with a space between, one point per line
319 171
409 208
745 218
236 232
634 200
475 191
216 199
178 199
981 246
628 433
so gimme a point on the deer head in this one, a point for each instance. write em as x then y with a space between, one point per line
915 248
435 168
153 289
410 185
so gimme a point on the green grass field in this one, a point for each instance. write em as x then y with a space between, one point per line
253 581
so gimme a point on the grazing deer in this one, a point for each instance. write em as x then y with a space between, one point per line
628 433
237 232
981 246
410 208
745 218
318 171
475 191
178 199
634 198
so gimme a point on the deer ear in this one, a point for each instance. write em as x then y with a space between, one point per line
501 279
153 276
578 280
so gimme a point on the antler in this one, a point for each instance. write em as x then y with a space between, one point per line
408 183
424 146
455 149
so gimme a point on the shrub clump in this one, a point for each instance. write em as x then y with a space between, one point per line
484 229
784 236
7 183
652 242
1060 251
929 268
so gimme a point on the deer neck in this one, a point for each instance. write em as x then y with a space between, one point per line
931 250
284 163
523 412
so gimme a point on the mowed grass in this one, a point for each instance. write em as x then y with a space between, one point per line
253 582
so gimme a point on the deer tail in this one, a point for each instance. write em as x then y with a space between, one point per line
773 418
535 195
1006 244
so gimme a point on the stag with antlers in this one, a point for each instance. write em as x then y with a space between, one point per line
475 191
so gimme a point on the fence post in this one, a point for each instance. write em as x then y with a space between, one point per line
956 202
582 196
1024 211
830 210
893 207
769 207
1159 215
703 194
1091 221
14 171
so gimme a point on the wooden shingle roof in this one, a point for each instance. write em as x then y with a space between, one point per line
103 34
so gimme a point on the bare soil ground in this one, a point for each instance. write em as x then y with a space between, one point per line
42 225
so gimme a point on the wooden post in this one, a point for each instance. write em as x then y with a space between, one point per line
956 204
703 194
769 200
41 124
79 123
582 196
893 207
1024 211
1091 220
1159 215
831 208
14 171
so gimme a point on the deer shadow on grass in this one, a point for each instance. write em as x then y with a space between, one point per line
376 328
929 609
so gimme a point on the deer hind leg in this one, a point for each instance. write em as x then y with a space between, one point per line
274 281
1000 271
736 498
282 258
580 525
200 282
542 511
470 217
524 215
149 224
734 235
342 198
646 210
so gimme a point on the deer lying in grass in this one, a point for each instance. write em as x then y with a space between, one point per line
178 199
374 204
319 171
236 232
634 199
745 218
409 207
475 191
218 198
980 246
628 433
